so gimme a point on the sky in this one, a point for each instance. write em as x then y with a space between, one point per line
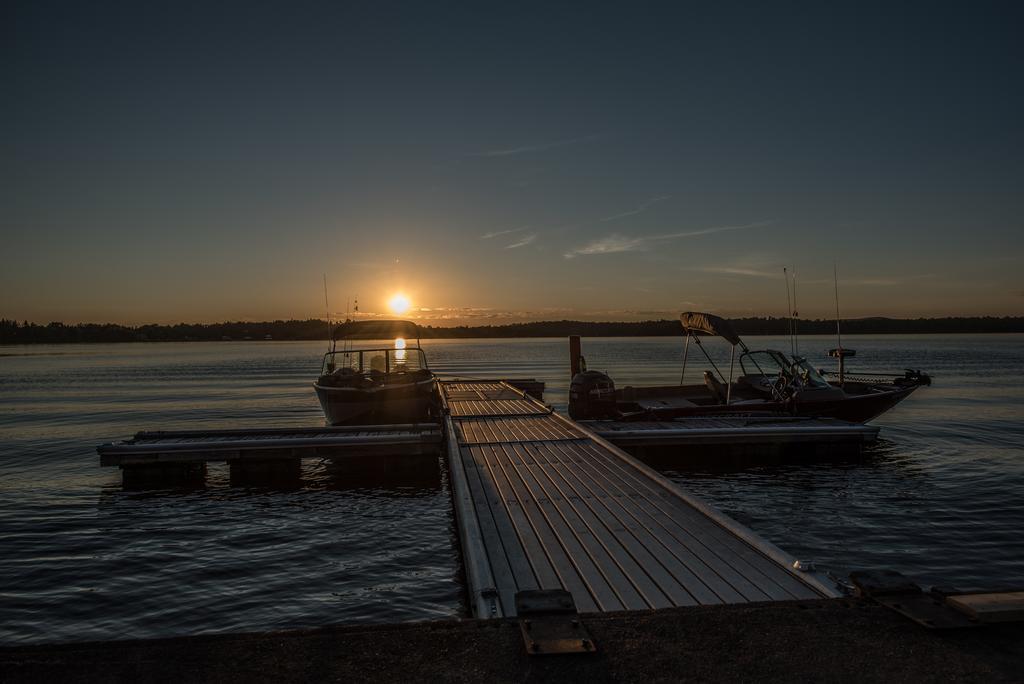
165 162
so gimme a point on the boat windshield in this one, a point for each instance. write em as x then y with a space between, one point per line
807 374
374 361
768 362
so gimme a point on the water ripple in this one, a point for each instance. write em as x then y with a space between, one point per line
938 498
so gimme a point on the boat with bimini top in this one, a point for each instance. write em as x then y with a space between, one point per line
765 381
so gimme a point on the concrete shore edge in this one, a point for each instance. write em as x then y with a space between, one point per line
833 639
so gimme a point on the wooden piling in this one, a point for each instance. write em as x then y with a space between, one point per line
574 355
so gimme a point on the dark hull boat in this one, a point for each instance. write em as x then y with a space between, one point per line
377 385
403 402
769 382
857 404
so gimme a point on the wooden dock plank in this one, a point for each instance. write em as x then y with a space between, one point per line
561 508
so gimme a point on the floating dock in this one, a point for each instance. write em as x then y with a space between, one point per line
731 431
168 458
168 447
543 503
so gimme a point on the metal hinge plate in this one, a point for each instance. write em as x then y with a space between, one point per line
550 624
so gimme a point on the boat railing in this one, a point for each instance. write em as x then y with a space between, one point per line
383 360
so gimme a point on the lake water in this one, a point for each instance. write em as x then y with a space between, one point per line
940 498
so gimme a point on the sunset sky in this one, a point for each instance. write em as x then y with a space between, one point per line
211 161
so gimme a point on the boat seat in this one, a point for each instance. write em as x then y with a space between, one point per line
754 386
716 388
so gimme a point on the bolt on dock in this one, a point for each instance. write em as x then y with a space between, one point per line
544 503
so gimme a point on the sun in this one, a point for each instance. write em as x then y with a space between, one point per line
399 304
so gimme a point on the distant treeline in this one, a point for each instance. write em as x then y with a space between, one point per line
743 326
12 332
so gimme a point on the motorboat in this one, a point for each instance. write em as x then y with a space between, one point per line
376 384
759 382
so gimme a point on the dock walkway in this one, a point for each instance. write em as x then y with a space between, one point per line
544 503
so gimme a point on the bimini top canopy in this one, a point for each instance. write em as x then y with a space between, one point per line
376 330
695 321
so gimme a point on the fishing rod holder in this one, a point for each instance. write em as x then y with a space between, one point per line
841 354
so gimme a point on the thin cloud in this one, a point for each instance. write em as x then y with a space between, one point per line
877 282
616 243
488 236
611 244
750 272
522 242
639 210
709 231
887 282
512 151
758 265
755 270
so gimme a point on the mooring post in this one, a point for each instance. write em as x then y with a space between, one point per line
574 355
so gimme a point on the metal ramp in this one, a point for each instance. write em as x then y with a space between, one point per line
544 504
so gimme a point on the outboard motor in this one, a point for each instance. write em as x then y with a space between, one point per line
592 396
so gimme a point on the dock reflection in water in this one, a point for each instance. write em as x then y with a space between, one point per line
395 475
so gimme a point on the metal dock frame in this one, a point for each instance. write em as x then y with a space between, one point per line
543 503
728 431
483 595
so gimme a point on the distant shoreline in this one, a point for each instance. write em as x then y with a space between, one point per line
12 332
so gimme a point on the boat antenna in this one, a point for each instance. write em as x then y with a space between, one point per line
835 278
789 308
839 352
327 307
796 318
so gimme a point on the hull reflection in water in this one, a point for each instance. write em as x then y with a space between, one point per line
396 475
